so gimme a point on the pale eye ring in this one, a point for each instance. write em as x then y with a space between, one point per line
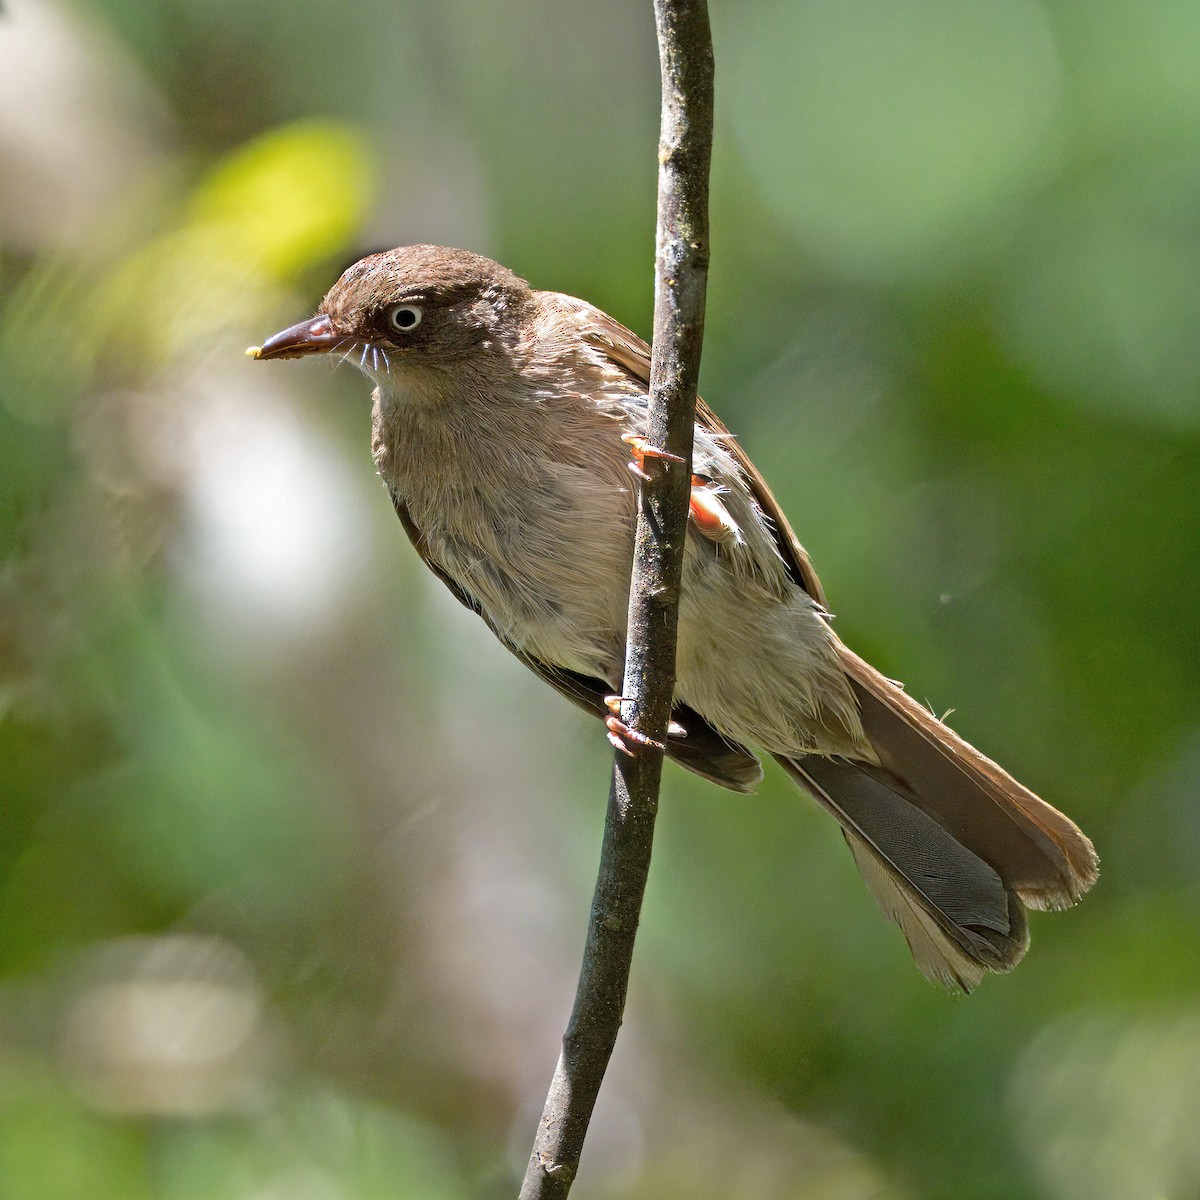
404 318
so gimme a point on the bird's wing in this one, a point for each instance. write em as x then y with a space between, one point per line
627 351
700 747
1040 854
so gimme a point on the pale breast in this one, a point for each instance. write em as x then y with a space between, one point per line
539 534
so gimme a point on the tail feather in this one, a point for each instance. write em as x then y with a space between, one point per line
952 847
936 949
952 907
1042 855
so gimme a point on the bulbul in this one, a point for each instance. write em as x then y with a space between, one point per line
504 427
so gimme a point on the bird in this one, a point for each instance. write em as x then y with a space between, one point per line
508 424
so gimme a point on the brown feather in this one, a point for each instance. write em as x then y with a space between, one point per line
956 913
1043 859
632 355
1041 854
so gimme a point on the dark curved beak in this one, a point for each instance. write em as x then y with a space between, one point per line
314 336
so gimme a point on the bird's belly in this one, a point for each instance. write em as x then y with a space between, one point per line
760 664
546 556
553 586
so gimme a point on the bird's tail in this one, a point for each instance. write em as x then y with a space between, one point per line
953 848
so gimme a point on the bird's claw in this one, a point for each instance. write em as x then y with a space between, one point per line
641 448
627 740
630 741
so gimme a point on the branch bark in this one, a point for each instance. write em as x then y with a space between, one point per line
685 151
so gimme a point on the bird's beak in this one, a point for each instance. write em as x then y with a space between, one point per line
314 336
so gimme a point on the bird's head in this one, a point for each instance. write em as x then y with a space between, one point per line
411 310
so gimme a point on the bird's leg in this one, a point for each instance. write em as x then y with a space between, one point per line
710 516
627 740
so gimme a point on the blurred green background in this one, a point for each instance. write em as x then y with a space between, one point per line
295 862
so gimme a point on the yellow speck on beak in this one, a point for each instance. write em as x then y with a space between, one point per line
253 351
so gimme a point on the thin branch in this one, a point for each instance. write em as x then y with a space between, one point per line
685 147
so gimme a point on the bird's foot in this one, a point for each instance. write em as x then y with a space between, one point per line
709 514
627 740
641 449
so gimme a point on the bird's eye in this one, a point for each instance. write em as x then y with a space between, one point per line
405 317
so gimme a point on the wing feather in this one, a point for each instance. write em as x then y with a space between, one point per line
1042 853
629 352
